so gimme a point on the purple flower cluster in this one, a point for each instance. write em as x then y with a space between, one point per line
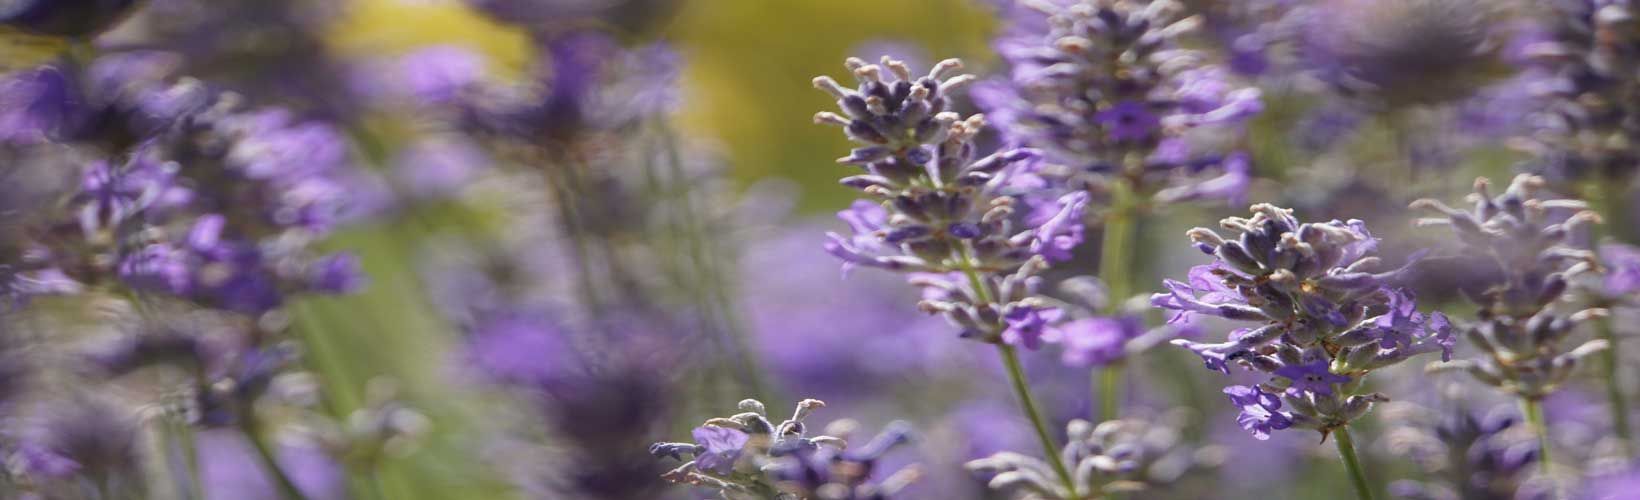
747 455
1115 457
1111 95
1580 61
1517 328
1325 317
934 209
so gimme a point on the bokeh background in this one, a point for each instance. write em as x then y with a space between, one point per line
717 213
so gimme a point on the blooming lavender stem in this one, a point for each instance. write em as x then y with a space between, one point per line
1352 463
1533 410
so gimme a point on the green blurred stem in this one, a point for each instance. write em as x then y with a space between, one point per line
1346 451
1609 197
1116 269
253 432
1533 409
1016 375
1609 366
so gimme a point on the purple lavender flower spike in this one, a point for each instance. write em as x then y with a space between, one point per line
935 207
1325 317
748 454
1105 89
1519 329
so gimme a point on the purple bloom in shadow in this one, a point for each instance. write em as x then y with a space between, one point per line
719 448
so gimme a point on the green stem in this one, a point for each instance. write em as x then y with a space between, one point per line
1026 403
1016 375
1110 391
1346 451
270 462
1533 409
1116 270
1609 367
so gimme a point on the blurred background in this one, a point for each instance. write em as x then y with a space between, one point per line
550 286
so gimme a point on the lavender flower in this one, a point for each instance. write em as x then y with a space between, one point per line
1580 64
1517 329
747 456
1106 90
1324 318
1472 457
934 209
1093 339
1114 457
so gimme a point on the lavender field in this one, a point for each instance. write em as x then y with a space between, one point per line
819 249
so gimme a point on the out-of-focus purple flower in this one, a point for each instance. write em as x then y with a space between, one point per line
719 447
337 273
1029 326
1062 233
439 167
1622 268
518 349
1098 341
1403 52
441 74
1108 94
1518 329
38 104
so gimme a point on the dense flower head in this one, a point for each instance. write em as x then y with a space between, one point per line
1107 91
934 209
749 456
185 193
1528 241
1324 317
1113 457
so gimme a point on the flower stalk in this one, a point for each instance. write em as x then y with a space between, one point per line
1352 464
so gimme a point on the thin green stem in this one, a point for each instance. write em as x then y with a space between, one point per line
1609 199
1116 270
1110 391
1533 409
1346 451
270 462
1609 367
1016 375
